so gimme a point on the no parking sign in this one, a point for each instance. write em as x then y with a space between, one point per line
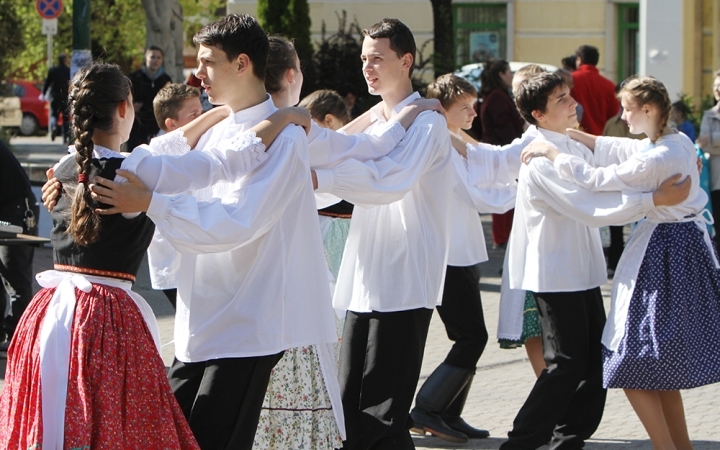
49 9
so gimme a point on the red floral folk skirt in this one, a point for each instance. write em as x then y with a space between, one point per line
118 393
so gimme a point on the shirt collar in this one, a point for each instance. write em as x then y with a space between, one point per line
588 68
263 110
376 112
561 140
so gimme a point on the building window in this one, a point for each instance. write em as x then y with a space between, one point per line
628 40
480 32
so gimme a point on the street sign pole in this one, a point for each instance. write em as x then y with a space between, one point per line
81 56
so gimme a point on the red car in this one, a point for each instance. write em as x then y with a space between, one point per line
35 111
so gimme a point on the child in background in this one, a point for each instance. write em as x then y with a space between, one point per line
174 106
679 117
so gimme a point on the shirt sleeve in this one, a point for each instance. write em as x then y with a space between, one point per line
615 150
490 198
594 209
387 179
496 164
229 160
632 175
328 147
236 220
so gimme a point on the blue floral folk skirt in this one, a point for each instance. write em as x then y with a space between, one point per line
672 335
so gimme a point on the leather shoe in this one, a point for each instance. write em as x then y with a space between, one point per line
433 424
458 424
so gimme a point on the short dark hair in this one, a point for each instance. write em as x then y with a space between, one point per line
169 100
62 58
156 48
237 34
588 55
569 62
401 38
449 88
533 94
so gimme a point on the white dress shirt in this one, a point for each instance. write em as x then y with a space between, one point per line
642 166
554 244
498 164
252 273
397 246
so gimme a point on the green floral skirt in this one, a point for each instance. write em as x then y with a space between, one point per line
531 324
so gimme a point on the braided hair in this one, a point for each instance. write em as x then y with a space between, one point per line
281 57
95 93
649 90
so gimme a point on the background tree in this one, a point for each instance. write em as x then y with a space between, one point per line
11 42
444 53
164 29
290 18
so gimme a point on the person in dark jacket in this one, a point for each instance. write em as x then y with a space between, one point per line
55 91
146 83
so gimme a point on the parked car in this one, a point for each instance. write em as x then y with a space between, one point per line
471 72
10 108
35 112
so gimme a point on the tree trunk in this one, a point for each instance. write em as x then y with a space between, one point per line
444 54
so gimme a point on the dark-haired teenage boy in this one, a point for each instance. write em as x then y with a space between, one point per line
555 252
252 276
393 267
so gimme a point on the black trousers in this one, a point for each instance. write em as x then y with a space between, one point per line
568 397
16 272
462 314
617 245
380 362
222 398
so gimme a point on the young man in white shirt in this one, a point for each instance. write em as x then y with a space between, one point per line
555 252
394 262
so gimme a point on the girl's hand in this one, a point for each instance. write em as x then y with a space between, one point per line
295 115
51 190
427 104
538 149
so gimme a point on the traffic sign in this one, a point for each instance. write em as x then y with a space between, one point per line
49 26
49 9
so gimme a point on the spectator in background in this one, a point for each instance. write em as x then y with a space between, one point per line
55 91
349 94
679 118
595 92
709 141
569 63
579 110
501 123
146 83
18 207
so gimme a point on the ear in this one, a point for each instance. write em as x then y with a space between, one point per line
329 121
407 61
290 76
170 124
122 109
243 64
538 115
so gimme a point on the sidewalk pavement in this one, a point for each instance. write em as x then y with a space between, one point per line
37 154
504 377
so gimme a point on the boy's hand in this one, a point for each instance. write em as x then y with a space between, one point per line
129 197
538 149
669 193
51 190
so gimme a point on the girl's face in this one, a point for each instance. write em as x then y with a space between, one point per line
507 77
676 116
640 119
716 88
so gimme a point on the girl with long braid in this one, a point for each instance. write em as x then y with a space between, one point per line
661 331
84 369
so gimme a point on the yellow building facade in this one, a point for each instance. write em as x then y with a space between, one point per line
677 41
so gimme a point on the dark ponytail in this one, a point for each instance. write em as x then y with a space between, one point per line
95 93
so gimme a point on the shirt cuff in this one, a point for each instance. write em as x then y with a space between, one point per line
158 208
325 180
173 143
647 201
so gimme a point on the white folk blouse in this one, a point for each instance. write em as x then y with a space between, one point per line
632 165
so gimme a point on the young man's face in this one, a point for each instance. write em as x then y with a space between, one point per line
560 111
216 73
191 109
460 113
382 68
153 60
